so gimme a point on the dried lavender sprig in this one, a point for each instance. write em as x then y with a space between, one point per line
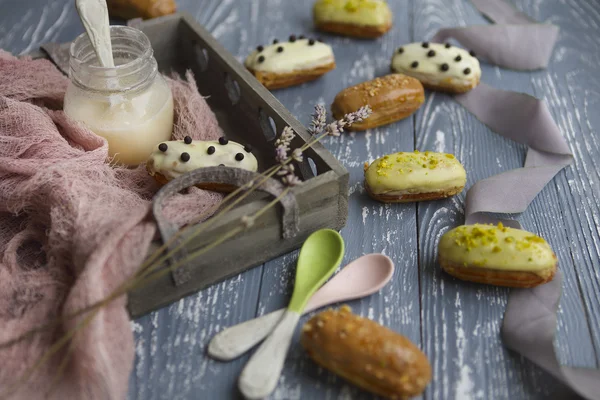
317 127
337 127
318 121
283 144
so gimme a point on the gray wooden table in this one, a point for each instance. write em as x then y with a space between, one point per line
455 323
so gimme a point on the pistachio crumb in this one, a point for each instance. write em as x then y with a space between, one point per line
345 309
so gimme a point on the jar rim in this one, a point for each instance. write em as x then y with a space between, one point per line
139 70
116 31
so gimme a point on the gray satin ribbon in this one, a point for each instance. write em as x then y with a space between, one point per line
517 42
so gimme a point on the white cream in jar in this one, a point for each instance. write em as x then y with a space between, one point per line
130 104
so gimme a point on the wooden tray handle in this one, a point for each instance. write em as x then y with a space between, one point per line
224 176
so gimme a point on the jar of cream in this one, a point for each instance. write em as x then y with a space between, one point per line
130 104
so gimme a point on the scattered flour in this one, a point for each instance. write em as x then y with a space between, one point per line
464 386
440 141
365 214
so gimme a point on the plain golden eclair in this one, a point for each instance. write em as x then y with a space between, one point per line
391 98
497 255
146 9
367 354
414 176
358 18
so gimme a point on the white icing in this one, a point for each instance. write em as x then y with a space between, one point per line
430 70
298 55
170 165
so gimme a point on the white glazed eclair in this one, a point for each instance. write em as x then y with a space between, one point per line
438 66
414 176
497 255
174 158
289 63
358 18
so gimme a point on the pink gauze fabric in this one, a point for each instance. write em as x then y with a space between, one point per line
72 229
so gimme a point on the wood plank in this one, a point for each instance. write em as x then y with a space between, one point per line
571 88
27 25
469 354
372 226
171 361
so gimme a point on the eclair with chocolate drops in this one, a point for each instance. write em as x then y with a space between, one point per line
391 98
290 62
414 176
367 354
497 255
357 18
174 158
441 67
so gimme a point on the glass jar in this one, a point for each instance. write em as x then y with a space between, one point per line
130 105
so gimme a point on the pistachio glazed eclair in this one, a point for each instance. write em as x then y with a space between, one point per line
497 255
366 19
414 176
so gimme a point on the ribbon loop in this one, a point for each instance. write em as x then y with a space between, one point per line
530 320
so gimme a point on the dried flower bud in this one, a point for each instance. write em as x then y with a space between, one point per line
281 154
248 221
297 155
291 180
286 169
319 120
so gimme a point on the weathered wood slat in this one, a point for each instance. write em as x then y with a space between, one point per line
469 353
571 88
372 226
171 360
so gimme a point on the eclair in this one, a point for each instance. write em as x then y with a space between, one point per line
289 63
391 98
441 67
414 176
174 158
497 255
129 9
358 18
367 354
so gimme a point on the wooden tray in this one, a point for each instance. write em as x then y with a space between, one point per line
248 113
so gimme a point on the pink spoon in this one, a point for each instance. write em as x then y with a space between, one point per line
362 277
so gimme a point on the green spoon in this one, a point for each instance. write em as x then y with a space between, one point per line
319 257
